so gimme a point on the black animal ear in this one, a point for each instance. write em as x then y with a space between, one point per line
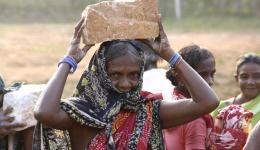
2 84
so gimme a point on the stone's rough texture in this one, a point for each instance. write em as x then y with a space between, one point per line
23 101
129 19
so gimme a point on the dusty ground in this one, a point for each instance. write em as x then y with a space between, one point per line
30 53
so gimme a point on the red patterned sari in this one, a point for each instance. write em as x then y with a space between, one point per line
231 128
124 129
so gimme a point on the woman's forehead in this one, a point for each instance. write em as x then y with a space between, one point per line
249 67
121 48
126 60
125 50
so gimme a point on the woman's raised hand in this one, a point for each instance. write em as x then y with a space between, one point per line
74 49
160 44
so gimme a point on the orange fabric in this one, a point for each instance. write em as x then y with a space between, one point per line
186 137
192 135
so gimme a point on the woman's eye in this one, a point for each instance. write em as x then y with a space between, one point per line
134 76
257 76
114 76
243 76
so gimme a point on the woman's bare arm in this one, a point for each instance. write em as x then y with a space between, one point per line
252 142
48 109
204 99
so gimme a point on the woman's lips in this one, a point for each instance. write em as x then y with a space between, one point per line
252 90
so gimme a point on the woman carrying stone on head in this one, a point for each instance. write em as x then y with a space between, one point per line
107 110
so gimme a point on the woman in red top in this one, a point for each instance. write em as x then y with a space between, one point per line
191 135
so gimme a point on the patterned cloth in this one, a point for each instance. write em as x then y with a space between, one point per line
231 128
46 138
97 103
252 105
124 125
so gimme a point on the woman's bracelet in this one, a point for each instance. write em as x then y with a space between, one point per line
69 60
174 60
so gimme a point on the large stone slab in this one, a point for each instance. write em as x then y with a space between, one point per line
23 101
120 19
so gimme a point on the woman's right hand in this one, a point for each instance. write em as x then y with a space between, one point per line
6 123
74 49
47 109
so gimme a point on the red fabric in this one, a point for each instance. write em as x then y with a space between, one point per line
231 128
207 118
151 96
198 129
123 126
187 136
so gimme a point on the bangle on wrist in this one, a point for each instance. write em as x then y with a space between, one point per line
174 60
69 60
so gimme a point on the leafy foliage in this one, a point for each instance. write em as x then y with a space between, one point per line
66 10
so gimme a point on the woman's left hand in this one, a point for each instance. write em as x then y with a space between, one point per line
160 44
74 49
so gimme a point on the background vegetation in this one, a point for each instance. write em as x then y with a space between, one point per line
66 10
35 33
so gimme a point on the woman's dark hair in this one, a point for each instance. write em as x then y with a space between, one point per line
247 58
118 48
150 58
193 55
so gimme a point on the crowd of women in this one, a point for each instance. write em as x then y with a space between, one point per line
110 109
